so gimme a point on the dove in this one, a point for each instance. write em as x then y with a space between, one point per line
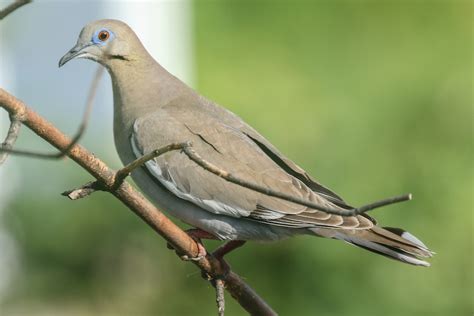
153 108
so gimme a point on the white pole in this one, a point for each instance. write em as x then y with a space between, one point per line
164 27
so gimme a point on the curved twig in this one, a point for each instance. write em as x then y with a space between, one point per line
15 122
77 136
186 148
220 300
10 139
12 7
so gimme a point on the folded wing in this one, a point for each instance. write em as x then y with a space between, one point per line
240 152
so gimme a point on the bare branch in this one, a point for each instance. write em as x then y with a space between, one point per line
220 300
186 148
91 187
267 191
125 171
384 202
12 7
83 191
10 139
246 296
137 203
79 133
15 122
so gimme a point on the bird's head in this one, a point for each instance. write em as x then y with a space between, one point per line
103 41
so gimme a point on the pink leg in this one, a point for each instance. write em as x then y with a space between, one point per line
200 234
229 246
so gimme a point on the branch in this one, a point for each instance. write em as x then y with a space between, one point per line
220 301
267 191
135 201
79 133
12 7
186 148
10 139
83 191
125 171
15 122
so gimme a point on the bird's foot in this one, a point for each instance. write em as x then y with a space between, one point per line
201 253
196 234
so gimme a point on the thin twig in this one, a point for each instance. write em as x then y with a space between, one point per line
12 7
267 191
125 171
121 174
10 139
15 122
75 139
186 148
84 190
220 300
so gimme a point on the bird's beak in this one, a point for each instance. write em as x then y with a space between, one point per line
79 50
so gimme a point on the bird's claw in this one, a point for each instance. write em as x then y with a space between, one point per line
187 258
202 253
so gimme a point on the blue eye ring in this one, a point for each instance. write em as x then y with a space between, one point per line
101 36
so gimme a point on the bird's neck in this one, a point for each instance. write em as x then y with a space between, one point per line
138 89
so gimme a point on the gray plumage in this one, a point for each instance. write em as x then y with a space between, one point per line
152 108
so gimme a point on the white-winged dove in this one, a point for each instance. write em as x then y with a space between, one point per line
152 108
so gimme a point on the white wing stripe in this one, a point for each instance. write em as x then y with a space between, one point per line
213 206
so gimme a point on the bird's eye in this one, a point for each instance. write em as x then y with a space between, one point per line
103 36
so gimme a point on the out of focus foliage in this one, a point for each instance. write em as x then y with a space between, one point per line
372 98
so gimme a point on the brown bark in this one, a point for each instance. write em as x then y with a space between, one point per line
137 203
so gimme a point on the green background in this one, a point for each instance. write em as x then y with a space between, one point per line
371 98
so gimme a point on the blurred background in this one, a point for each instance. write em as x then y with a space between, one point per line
373 98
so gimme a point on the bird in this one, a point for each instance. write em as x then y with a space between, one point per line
153 108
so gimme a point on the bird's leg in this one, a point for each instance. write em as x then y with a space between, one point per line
197 234
229 246
219 254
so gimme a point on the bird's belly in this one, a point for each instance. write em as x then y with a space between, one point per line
223 227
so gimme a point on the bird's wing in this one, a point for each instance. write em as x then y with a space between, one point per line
233 151
279 158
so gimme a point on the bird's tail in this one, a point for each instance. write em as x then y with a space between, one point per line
394 243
